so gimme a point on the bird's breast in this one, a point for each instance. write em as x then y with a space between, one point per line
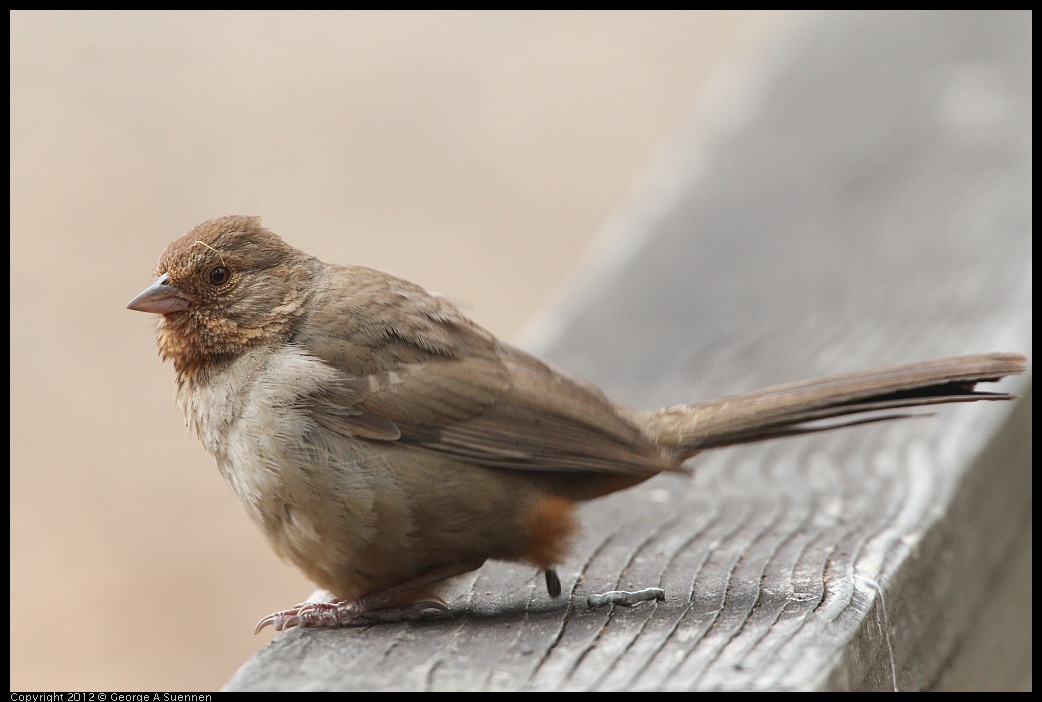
252 416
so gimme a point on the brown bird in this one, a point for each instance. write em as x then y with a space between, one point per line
385 443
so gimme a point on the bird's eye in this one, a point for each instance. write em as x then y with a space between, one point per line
219 275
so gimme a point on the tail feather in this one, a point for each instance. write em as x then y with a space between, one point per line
793 408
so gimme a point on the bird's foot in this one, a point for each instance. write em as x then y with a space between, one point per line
338 613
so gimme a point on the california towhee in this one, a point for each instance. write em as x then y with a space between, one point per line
385 443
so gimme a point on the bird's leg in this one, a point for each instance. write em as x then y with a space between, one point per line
553 582
382 606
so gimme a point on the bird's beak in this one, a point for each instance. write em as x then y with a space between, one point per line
161 297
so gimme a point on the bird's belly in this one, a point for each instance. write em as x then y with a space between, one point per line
359 516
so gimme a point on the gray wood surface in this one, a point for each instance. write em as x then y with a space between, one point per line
866 201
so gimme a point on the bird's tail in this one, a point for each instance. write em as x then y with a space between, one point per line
799 408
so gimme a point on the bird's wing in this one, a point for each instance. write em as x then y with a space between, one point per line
433 379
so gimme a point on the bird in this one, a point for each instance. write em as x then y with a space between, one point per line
385 443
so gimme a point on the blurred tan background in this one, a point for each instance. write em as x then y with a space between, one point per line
475 153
